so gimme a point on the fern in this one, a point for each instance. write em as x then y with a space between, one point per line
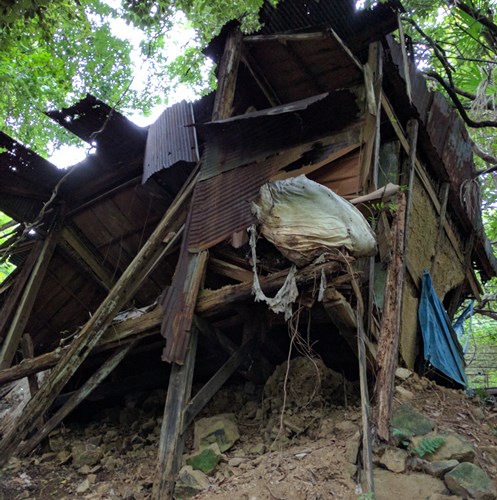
428 445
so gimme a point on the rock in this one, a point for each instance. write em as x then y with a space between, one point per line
206 459
404 394
468 480
407 422
490 453
57 442
83 486
439 468
352 448
346 426
235 461
350 470
455 447
394 459
403 373
221 429
128 416
257 449
86 454
190 482
390 486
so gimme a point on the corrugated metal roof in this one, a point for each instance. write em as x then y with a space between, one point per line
171 139
93 121
253 136
356 27
26 180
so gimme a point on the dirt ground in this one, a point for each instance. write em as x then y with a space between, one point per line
303 453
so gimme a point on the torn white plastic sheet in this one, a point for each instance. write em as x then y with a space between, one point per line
304 219
287 294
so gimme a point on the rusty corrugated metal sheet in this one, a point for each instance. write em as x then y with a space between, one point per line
356 27
171 140
251 137
221 204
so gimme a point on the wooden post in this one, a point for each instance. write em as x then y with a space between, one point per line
388 344
412 134
367 454
18 287
228 72
205 394
76 398
28 353
172 434
26 303
94 328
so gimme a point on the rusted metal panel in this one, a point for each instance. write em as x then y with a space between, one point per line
171 140
252 137
98 124
356 27
440 119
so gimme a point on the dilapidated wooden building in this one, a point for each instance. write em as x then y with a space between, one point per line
148 234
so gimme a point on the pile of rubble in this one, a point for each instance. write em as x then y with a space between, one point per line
298 437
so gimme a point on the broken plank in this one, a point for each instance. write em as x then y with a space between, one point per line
172 435
21 316
28 353
230 270
214 301
388 343
215 383
79 396
94 329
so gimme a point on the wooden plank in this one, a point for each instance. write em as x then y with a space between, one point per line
444 195
18 287
412 134
230 270
172 435
93 330
80 395
88 256
28 353
286 37
21 316
405 60
388 343
228 71
215 383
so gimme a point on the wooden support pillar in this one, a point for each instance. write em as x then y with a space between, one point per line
388 344
80 395
215 383
94 328
18 287
228 72
21 317
172 431
412 135
28 353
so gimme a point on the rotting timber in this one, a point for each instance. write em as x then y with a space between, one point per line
155 224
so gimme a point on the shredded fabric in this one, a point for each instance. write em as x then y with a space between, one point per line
322 286
287 294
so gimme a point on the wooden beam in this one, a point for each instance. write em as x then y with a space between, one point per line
259 77
80 395
444 195
286 37
228 71
30 292
94 328
412 134
215 383
172 434
28 353
18 287
388 343
88 256
230 270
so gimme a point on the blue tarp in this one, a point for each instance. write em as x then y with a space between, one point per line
441 347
